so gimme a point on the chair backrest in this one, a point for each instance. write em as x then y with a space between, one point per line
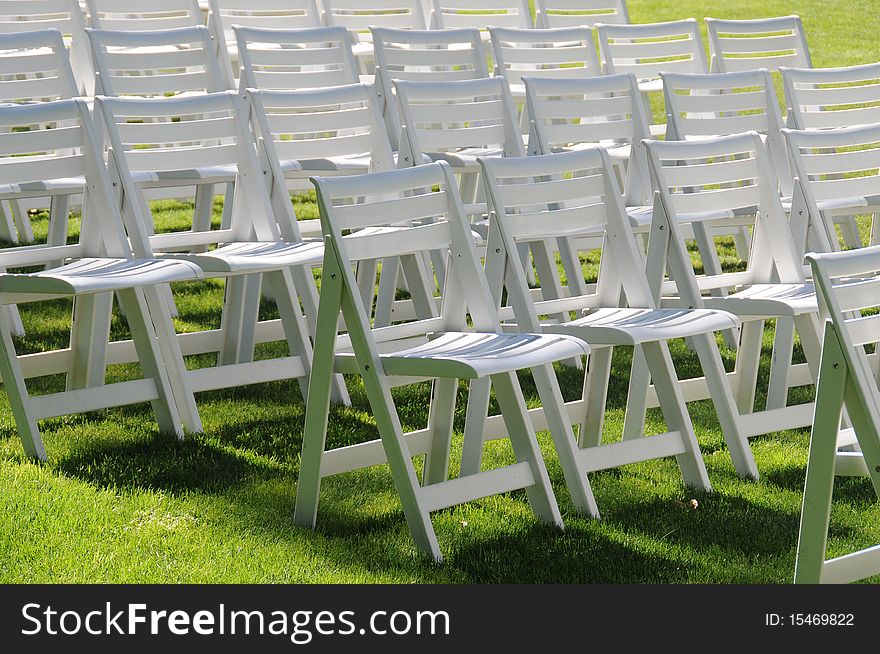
167 138
55 140
559 53
449 14
360 15
727 103
446 117
760 43
155 63
272 14
719 179
818 98
308 128
562 195
35 67
573 13
138 15
847 284
427 196
295 58
833 168
423 55
603 110
649 48
64 15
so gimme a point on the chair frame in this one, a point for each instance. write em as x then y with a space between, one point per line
100 262
773 282
466 288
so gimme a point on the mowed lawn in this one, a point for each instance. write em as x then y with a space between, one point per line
119 502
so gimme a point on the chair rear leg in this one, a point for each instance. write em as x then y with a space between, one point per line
525 446
440 418
693 469
16 390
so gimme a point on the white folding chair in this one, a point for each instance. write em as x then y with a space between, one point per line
725 177
451 14
562 53
770 43
456 122
64 15
438 346
823 98
34 67
334 130
359 16
423 55
260 14
287 59
834 169
162 63
570 114
100 267
647 49
847 284
259 247
826 98
576 13
566 195
700 105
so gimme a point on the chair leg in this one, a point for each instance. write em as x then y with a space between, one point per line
8 231
780 363
304 284
723 398
595 394
59 211
169 347
474 425
231 319
16 390
525 446
150 359
89 336
204 206
281 286
748 357
712 266
570 455
440 418
22 222
637 396
387 291
693 469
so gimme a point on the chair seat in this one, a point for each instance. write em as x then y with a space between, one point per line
468 355
98 275
857 204
351 164
61 185
609 326
253 257
466 157
768 300
205 174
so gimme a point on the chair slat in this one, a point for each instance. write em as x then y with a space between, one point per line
557 222
854 187
716 200
427 205
442 139
775 43
724 125
321 148
741 101
841 162
164 159
172 132
43 169
308 122
556 190
456 113
40 140
424 238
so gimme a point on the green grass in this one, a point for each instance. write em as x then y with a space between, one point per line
119 502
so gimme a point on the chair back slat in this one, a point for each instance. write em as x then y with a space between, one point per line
155 62
646 50
451 14
147 15
571 13
832 97
295 58
770 43
564 52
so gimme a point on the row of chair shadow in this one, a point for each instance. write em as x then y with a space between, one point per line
555 204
